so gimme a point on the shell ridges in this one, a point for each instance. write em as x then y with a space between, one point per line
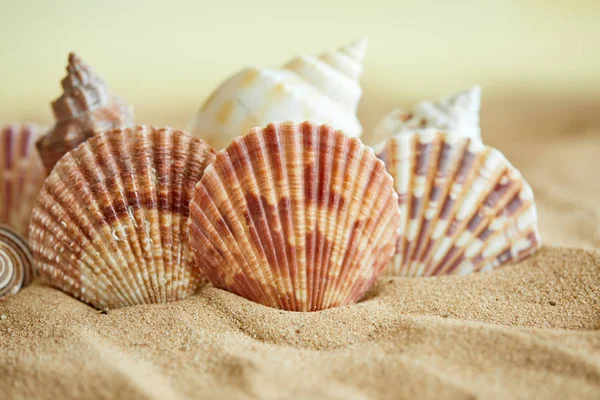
295 216
464 207
110 224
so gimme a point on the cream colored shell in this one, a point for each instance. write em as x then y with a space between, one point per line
322 89
464 207
456 114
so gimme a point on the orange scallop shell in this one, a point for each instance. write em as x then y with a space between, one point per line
110 223
295 216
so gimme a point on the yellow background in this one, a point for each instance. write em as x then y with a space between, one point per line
165 57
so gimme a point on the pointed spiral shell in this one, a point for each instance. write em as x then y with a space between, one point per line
295 216
322 89
16 270
84 109
109 226
457 114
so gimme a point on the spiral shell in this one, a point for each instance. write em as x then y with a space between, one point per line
324 89
455 114
21 174
83 110
295 216
110 227
16 269
464 207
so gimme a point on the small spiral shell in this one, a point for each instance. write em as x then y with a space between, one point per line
16 262
457 114
84 109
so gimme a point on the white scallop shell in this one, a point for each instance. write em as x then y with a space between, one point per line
322 89
456 114
464 207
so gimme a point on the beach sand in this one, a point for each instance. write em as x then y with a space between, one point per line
530 330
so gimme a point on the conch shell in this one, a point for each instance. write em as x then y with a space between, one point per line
322 89
83 110
464 207
109 226
16 269
21 174
455 114
295 216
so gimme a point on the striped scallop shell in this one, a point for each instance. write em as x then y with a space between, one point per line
110 224
84 109
295 216
456 114
16 264
464 207
21 174
323 89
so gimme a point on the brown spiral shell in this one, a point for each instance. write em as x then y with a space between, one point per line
295 216
16 264
110 226
83 110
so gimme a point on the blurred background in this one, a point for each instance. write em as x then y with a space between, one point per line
165 57
537 61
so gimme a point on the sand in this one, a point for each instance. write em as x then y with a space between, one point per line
530 330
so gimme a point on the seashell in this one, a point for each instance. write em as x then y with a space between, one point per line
109 226
295 216
83 110
16 264
21 174
456 114
464 207
324 90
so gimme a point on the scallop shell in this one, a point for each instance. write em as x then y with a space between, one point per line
110 224
21 174
295 216
464 207
84 109
16 263
456 114
324 89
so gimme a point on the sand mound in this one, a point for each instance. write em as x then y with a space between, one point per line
524 331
